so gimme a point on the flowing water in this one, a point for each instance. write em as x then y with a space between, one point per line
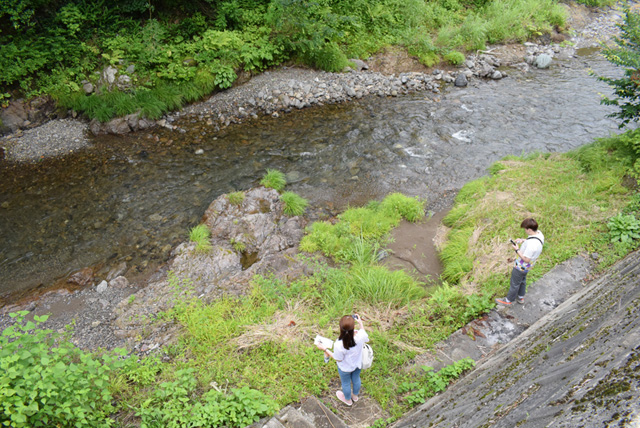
131 199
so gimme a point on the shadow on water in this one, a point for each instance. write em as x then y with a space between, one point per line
132 199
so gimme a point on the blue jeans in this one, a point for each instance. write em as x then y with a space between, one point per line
347 378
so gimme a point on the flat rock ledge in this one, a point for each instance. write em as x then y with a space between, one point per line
576 366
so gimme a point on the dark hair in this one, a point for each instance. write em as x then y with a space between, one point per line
346 332
529 223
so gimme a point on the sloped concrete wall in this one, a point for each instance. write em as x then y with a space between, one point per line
577 366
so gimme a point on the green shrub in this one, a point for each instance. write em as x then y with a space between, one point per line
411 209
236 198
46 381
201 235
294 204
624 228
454 58
274 179
430 383
173 405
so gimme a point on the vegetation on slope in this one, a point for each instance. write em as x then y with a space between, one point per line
176 53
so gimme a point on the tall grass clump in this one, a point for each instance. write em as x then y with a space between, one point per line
201 235
369 285
274 179
236 198
294 204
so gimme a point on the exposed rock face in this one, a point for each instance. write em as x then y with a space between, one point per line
576 367
251 238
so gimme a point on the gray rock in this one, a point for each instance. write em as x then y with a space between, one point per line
88 88
496 75
102 287
14 116
117 126
131 69
461 80
109 75
359 64
543 61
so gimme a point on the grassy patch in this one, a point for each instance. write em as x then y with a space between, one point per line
274 179
201 235
236 198
294 204
572 196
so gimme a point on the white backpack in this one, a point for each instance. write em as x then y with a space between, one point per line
367 356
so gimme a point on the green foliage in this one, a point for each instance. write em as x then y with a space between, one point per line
430 382
488 212
239 246
399 205
141 372
375 285
236 198
274 179
454 58
624 228
364 225
454 255
172 405
201 235
294 204
46 381
597 3
626 54
182 55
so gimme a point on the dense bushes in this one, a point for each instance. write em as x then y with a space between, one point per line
173 54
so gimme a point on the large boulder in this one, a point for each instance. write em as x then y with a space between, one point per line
254 237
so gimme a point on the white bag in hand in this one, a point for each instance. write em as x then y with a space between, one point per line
367 356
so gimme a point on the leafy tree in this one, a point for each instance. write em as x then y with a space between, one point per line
625 53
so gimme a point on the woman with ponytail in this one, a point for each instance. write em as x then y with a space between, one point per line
347 351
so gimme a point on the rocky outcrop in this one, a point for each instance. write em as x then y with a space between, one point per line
254 237
577 366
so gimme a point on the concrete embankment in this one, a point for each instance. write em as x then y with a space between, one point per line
576 366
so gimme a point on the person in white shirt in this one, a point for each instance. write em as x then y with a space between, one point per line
347 351
526 257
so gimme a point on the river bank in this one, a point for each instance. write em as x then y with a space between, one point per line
390 73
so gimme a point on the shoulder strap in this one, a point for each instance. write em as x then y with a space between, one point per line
539 240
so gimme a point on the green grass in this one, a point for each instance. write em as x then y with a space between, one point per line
274 179
488 212
294 204
236 198
201 235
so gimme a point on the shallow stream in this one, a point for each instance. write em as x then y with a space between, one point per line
133 198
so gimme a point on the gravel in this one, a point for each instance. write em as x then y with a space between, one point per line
55 138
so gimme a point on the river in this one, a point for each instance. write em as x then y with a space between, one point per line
132 199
